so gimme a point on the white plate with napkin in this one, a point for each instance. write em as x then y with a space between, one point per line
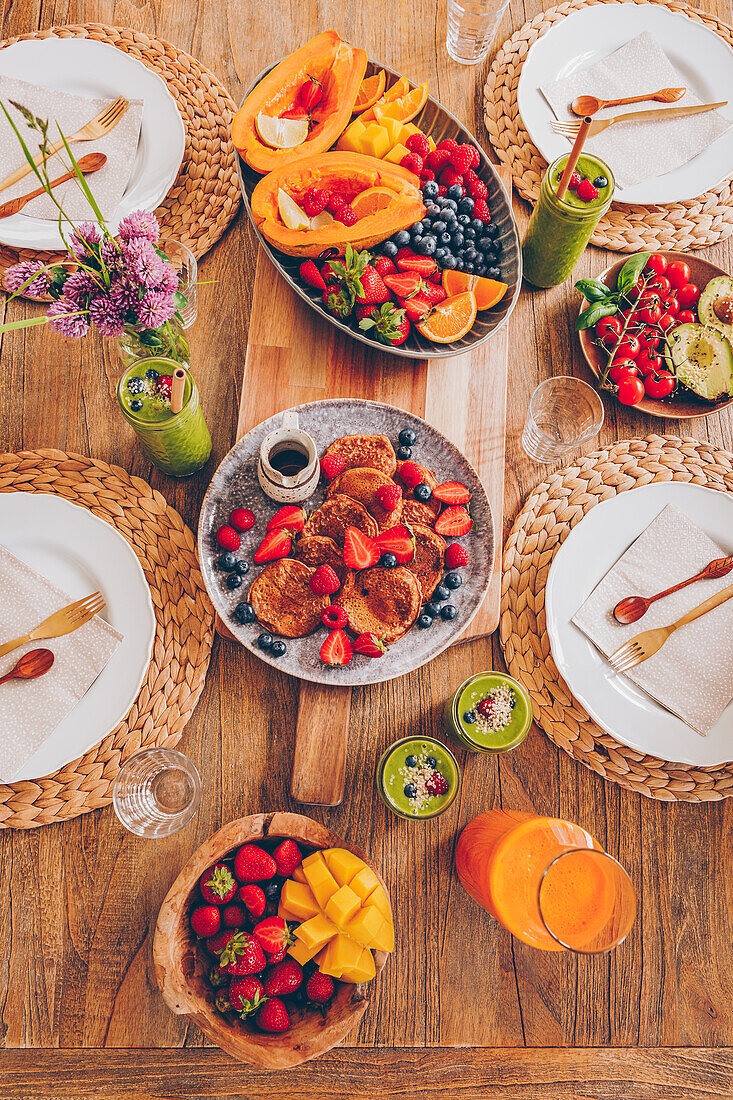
590 551
686 53
78 554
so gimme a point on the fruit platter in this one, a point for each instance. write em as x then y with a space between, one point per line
657 332
375 204
377 570
270 938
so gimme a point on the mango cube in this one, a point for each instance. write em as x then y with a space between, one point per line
319 878
393 127
379 899
342 905
340 955
362 971
316 931
384 938
351 138
375 141
285 913
301 953
364 882
396 153
342 864
365 925
299 874
297 898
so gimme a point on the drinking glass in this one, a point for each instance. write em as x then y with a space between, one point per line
472 27
156 792
563 413
184 264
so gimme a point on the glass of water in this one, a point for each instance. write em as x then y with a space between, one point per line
184 264
563 413
472 27
156 792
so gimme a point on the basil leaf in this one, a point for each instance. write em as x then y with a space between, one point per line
631 271
593 314
593 290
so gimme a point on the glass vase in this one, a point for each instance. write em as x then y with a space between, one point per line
167 342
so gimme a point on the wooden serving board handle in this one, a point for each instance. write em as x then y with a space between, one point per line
321 739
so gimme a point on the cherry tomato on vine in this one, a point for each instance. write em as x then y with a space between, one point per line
678 273
673 306
688 295
620 368
647 363
666 321
650 313
658 385
629 347
649 339
630 389
608 330
685 317
657 263
651 297
662 285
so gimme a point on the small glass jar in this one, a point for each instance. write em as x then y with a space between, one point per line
390 783
465 698
166 342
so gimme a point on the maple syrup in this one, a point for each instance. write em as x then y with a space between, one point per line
289 461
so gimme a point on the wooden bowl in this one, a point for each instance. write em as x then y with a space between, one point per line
180 962
683 406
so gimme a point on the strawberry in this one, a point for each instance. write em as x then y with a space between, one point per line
449 144
449 176
423 265
438 159
332 465
462 158
273 1016
273 960
370 287
403 283
389 496
339 301
454 522
311 93
334 617
206 920
346 215
456 556
254 899
242 519
290 517
272 934
418 143
294 112
337 649
275 544
216 944
436 784
370 645
399 541
402 252
436 277
233 915
411 474
433 291
254 864
330 272
585 191
412 162
246 995
315 201
324 581
384 265
416 307
310 274
217 885
335 202
287 856
165 385
359 550
427 175
320 988
481 210
388 326
452 492
242 955
228 538
364 312
283 978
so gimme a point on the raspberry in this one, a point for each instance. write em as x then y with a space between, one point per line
332 465
389 496
346 214
477 189
437 160
462 158
574 180
481 210
442 189
228 538
470 177
475 156
456 556
165 383
418 143
335 203
324 581
436 784
315 201
427 175
586 192
242 519
411 474
413 163
449 144
449 176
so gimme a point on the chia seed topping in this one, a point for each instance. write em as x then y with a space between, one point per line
418 779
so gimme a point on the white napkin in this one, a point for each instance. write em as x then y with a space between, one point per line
637 151
30 711
71 112
692 674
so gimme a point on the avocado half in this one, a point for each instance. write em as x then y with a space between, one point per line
716 299
703 360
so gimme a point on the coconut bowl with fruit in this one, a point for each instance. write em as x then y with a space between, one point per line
667 347
277 970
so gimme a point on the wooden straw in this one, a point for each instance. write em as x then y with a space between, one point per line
177 388
574 154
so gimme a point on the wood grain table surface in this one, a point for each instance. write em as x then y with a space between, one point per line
462 1009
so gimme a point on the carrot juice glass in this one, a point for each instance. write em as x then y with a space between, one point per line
547 881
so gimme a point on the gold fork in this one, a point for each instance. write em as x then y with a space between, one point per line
105 121
646 644
61 622
570 129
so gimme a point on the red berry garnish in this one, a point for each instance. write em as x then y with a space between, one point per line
228 538
586 192
574 180
436 784
165 382
411 474
346 215
418 143
324 581
456 556
332 465
334 617
242 519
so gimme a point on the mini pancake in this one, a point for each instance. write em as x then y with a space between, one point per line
335 515
427 565
317 550
362 484
373 451
384 601
283 600
414 511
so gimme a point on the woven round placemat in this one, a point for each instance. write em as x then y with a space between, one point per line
183 637
205 196
625 228
544 523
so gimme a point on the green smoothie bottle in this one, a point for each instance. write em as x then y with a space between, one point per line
560 229
418 778
177 443
489 712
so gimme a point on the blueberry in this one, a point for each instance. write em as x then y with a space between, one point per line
470 254
490 257
464 220
440 255
136 405
477 224
469 268
469 717
451 219
459 264
410 790
432 609
480 268
265 641
431 761
135 385
401 238
450 262
242 567
465 206
433 211
404 453
424 621
271 889
600 181
498 246
444 237
492 231
455 192
469 233
388 561
430 190
494 272
411 761
417 230
427 246
407 438
278 649
439 227
451 204
152 374
244 613
416 241
457 239
389 248
234 580
422 492
226 561
512 703
453 580
441 201
440 594
448 612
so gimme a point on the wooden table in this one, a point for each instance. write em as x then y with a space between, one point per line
462 1009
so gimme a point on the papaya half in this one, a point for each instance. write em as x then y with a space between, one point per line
348 174
338 67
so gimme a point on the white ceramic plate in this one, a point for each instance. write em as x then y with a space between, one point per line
587 36
83 554
99 70
587 554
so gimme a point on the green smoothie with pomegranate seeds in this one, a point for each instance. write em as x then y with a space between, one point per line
560 229
418 777
490 712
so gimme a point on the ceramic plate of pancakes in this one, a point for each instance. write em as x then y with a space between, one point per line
385 601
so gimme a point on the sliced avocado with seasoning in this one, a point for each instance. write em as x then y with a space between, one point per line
703 361
715 307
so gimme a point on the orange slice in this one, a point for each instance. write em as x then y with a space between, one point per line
406 106
399 88
371 200
487 292
372 87
450 319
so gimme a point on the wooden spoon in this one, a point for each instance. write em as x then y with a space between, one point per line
589 104
632 608
92 162
34 663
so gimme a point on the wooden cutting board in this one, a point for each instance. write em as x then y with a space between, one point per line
294 356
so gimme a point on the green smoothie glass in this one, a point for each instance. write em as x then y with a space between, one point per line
177 443
418 778
560 229
509 713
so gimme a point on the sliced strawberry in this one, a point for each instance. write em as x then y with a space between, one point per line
416 307
424 265
337 649
359 550
452 492
290 516
454 522
403 284
275 544
433 292
399 541
370 645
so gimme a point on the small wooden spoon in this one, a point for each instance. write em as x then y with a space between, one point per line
632 608
589 104
34 663
92 162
